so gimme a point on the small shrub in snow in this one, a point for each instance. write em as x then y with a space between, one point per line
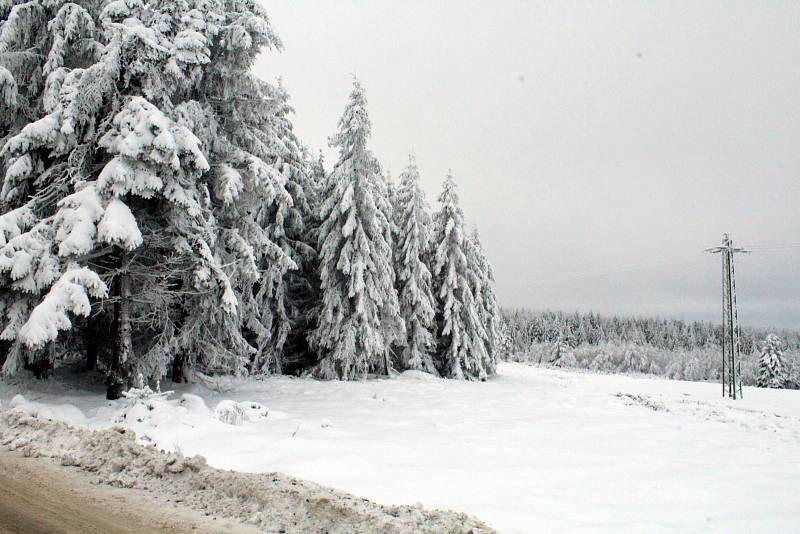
139 403
231 413
144 395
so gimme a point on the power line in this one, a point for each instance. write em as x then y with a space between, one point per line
581 275
788 246
611 270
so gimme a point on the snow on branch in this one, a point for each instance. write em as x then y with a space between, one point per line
70 294
76 221
14 222
8 88
118 226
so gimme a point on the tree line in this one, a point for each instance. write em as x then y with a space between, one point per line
158 213
685 350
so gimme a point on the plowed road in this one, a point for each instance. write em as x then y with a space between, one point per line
37 495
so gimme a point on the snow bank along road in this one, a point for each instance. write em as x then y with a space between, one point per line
533 450
271 502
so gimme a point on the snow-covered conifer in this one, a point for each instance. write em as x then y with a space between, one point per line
148 153
482 278
462 347
562 354
292 225
417 307
771 371
359 316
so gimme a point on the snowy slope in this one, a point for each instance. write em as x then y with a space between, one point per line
533 450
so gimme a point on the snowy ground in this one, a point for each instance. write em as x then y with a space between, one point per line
533 450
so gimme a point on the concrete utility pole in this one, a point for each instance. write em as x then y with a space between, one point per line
731 365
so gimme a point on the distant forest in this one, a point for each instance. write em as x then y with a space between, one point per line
688 350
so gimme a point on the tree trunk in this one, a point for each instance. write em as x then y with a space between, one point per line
90 341
178 368
42 369
115 381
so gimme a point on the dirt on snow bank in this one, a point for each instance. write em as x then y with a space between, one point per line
273 502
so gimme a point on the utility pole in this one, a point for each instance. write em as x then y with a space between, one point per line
731 363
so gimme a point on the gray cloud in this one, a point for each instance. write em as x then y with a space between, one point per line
584 136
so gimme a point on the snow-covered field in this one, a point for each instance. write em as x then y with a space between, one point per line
533 450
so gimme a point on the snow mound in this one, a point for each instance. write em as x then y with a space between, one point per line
194 404
64 413
153 415
272 501
418 375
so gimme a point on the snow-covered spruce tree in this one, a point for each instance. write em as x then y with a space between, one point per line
294 228
37 39
359 315
462 336
505 349
257 185
390 209
771 371
417 307
114 180
48 217
482 278
562 355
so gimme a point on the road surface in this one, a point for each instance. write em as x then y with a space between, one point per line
36 495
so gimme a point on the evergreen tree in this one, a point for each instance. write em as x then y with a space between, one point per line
771 371
291 225
144 159
482 278
301 293
562 354
462 336
417 307
359 316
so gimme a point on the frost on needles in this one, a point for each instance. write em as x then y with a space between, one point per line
159 215
465 337
168 175
359 316
771 370
412 259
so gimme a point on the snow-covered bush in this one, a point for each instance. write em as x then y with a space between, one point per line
231 413
237 413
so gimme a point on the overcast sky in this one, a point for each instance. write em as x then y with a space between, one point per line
598 146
